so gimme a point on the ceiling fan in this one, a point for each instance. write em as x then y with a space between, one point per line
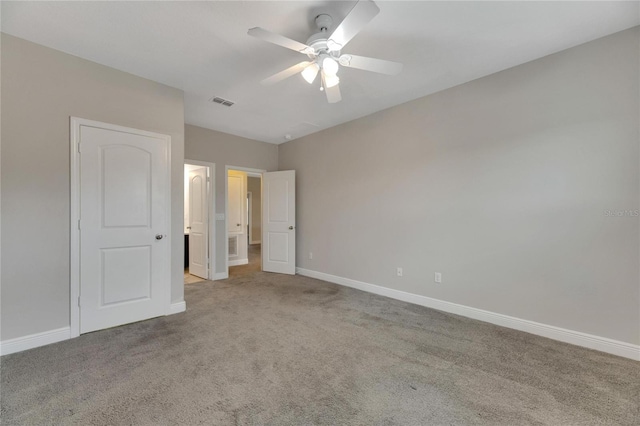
324 50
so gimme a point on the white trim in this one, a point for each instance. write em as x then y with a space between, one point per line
590 341
211 200
256 242
74 273
249 213
238 262
226 209
34 340
220 276
177 307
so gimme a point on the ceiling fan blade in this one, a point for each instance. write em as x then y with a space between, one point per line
333 92
371 64
278 39
276 78
363 12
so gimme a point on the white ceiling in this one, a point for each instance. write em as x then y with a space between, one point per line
203 48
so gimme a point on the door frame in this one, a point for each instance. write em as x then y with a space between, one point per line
74 223
211 215
249 221
247 170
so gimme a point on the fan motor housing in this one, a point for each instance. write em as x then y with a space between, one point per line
319 40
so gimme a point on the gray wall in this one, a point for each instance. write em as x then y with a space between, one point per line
500 184
227 150
41 89
254 185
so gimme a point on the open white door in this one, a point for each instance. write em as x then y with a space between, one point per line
279 222
124 225
198 218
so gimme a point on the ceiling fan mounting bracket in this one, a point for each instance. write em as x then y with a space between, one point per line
324 22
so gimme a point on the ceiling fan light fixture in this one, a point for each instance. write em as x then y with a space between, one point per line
323 50
329 65
310 73
331 80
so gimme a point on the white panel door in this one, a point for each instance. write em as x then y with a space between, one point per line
124 253
237 199
279 227
198 222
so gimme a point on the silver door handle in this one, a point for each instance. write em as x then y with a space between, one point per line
291 227
159 236
188 227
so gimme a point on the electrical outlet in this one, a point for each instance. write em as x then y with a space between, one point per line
399 272
310 255
438 277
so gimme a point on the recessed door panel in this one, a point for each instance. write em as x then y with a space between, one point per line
278 250
126 274
279 211
196 188
126 186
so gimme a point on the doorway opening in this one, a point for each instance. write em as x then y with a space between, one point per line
198 221
244 219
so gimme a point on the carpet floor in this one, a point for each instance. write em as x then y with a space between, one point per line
264 348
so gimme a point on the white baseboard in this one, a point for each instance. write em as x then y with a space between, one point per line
34 340
220 276
177 307
590 341
238 262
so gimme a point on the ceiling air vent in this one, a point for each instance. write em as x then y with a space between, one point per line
221 101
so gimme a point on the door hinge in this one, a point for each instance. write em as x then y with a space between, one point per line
79 146
78 301
78 224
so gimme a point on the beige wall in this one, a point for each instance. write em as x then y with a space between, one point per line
41 89
500 184
254 185
227 150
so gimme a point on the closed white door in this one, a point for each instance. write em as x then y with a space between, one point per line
279 222
124 223
198 222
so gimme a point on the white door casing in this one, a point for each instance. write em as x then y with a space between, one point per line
278 223
121 179
198 223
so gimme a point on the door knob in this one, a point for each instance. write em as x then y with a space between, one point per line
238 224
159 236
291 227
188 227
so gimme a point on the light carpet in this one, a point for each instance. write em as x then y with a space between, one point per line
263 348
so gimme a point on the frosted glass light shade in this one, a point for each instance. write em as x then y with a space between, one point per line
310 73
331 80
329 65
